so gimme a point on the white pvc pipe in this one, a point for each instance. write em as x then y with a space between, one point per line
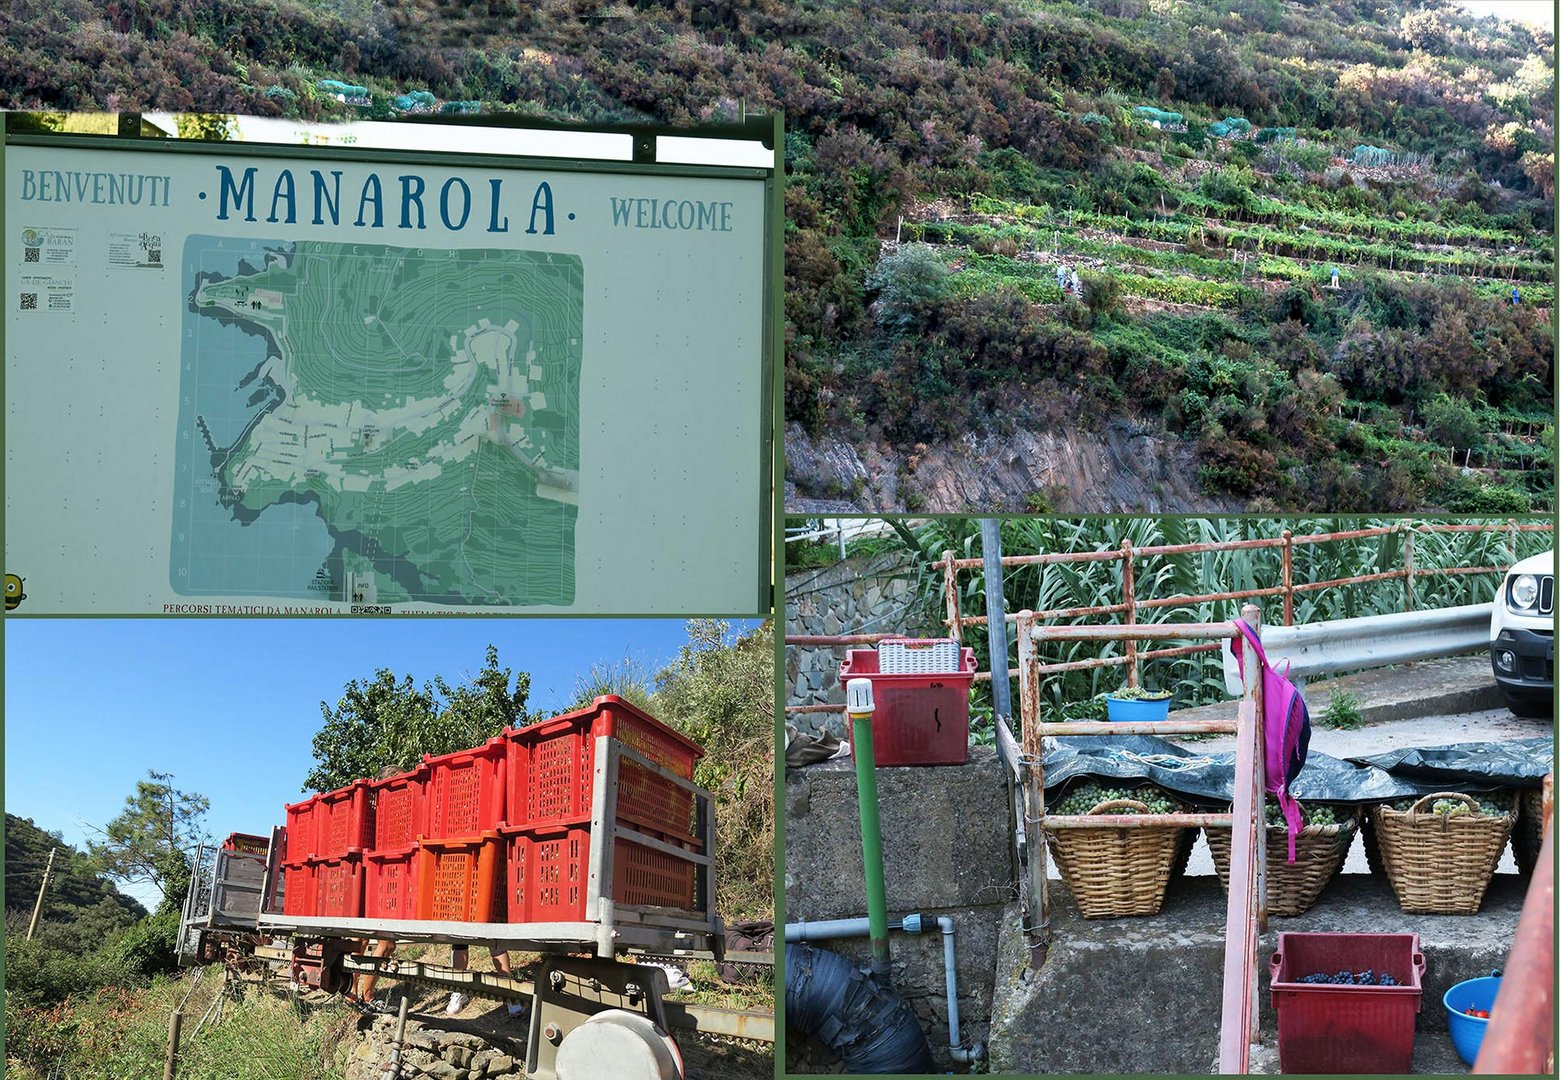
822 929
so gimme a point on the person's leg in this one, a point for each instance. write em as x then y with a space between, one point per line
365 983
502 966
460 956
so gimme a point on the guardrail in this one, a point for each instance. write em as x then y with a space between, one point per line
1370 641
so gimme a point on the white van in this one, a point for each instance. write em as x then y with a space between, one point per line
1522 636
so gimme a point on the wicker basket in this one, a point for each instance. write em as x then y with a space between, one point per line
1440 864
1291 887
1528 833
1114 872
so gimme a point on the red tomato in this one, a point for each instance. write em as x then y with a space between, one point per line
1482 1014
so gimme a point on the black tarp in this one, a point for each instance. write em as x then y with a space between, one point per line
1210 777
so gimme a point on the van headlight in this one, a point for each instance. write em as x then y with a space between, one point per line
1524 592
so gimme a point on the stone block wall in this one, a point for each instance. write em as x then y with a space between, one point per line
857 596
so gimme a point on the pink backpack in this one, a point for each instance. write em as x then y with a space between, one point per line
1286 729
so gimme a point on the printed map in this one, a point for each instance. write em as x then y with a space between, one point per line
378 424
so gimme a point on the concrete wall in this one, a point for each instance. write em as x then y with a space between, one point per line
857 596
945 852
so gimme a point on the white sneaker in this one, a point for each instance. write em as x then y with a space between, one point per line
458 1001
676 977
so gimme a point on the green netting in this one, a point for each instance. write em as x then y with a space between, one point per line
1148 112
335 86
1370 155
1230 125
1275 134
414 99
461 107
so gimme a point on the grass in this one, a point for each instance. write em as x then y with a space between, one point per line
120 1034
1342 712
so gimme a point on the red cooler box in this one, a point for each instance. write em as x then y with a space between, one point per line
921 717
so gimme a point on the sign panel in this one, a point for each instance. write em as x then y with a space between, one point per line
253 380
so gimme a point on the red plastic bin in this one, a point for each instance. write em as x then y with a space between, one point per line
298 893
465 791
1346 1029
551 769
303 823
460 880
400 806
549 868
346 820
390 883
246 844
921 719
338 885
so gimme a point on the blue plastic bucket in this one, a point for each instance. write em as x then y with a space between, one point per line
1468 1031
1129 710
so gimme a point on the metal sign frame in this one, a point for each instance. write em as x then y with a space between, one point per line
767 130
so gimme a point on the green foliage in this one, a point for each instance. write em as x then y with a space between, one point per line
1196 680
82 907
389 723
148 947
212 127
908 283
150 839
720 693
629 678
1342 712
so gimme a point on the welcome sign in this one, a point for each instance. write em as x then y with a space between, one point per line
267 380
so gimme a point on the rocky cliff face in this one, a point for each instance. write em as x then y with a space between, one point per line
1122 468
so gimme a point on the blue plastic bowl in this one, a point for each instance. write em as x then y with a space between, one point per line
1130 710
1468 1031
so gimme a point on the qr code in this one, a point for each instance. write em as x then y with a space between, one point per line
29 301
29 255
154 255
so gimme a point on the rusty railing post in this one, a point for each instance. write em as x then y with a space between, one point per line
1038 931
1289 578
951 598
1129 597
1408 569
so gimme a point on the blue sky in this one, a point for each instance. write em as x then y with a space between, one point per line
1533 12
229 706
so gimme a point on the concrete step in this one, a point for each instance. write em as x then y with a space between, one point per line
1142 995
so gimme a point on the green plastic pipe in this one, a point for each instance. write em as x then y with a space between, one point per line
859 698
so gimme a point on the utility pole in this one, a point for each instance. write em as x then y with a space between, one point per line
32 927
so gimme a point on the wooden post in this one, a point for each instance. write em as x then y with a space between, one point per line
951 598
32 927
1408 571
1038 932
1129 595
1288 567
170 1070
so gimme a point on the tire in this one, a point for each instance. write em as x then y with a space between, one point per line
1531 708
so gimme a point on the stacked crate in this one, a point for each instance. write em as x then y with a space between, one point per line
500 832
327 834
551 787
460 861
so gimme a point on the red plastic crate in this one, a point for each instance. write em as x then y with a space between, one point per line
549 867
552 768
298 895
303 823
390 883
246 843
465 791
459 880
1346 1029
345 820
917 719
400 805
338 885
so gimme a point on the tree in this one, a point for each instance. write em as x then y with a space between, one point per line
720 692
212 127
151 838
390 723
